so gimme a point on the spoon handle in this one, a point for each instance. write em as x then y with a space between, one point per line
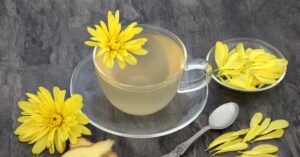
180 149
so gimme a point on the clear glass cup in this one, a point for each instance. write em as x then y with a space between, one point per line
150 98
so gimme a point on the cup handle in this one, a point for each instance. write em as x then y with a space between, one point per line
190 85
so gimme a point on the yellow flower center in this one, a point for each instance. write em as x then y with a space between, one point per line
114 45
56 119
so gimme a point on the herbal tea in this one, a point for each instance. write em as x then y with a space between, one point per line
139 94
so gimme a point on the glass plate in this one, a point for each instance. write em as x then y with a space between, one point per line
181 111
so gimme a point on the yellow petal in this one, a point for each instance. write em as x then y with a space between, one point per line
226 49
262 149
255 53
63 132
39 133
130 59
256 119
264 125
254 132
27 107
45 94
277 124
110 62
39 146
34 98
228 143
117 15
51 136
122 64
124 53
264 57
240 49
91 43
238 82
94 39
259 155
221 53
129 32
102 36
74 103
63 146
100 52
280 62
85 130
59 95
275 134
240 132
76 130
31 129
98 34
105 57
234 147
130 26
248 51
120 57
233 62
251 134
104 28
227 137
265 80
93 32
23 119
113 24
255 128
72 138
59 144
51 148
234 72
267 74
82 118
134 44
140 51
221 139
110 19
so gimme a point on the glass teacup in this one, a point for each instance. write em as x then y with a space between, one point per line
150 85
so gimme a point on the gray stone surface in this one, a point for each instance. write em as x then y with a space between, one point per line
41 42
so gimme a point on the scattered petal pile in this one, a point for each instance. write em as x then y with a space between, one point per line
49 121
116 43
266 129
247 68
260 129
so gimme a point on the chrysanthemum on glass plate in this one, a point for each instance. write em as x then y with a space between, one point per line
113 42
49 121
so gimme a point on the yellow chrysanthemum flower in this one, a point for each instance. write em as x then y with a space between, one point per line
50 121
116 43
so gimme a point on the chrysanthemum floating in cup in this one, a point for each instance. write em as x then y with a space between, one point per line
48 122
116 43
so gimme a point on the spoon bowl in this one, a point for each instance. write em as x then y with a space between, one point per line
223 116
220 118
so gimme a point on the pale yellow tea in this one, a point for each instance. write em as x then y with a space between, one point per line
150 85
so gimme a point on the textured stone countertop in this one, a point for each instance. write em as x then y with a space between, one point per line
41 42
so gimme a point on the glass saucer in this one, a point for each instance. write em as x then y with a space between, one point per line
181 111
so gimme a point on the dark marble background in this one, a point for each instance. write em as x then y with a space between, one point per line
41 42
